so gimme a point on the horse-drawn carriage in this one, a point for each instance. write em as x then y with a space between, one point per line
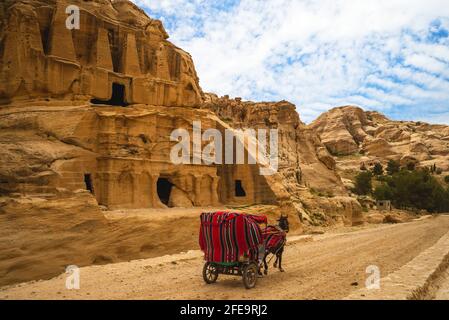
235 244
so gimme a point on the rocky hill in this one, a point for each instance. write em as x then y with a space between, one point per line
356 137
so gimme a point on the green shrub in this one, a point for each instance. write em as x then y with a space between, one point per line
378 169
414 189
383 192
363 183
393 167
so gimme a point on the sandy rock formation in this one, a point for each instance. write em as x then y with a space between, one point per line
369 137
118 88
119 55
94 109
305 164
180 199
341 131
375 218
303 158
377 147
392 218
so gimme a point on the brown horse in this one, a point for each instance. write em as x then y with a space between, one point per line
275 240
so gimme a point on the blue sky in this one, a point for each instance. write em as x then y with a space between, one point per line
390 56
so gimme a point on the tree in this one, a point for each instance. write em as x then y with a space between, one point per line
363 183
378 169
414 189
383 192
446 179
393 167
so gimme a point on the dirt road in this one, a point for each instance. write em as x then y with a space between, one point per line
330 267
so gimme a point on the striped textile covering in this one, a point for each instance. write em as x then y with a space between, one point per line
226 236
274 238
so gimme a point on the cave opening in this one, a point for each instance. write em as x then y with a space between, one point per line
117 98
164 188
88 183
239 190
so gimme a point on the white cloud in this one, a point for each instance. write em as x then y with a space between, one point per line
317 54
426 63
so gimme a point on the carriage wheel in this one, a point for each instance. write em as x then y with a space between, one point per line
210 273
250 275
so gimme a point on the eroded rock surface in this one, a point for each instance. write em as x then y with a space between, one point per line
118 55
95 108
306 168
370 137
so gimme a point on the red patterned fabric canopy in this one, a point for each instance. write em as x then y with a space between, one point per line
274 238
226 237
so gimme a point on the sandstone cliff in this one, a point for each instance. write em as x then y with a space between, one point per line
306 169
90 112
94 108
117 47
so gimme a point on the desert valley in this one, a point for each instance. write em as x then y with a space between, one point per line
86 178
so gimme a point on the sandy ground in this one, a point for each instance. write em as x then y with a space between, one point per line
329 267
40 237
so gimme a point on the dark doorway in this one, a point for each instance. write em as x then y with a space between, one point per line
164 190
88 182
239 190
45 36
117 99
